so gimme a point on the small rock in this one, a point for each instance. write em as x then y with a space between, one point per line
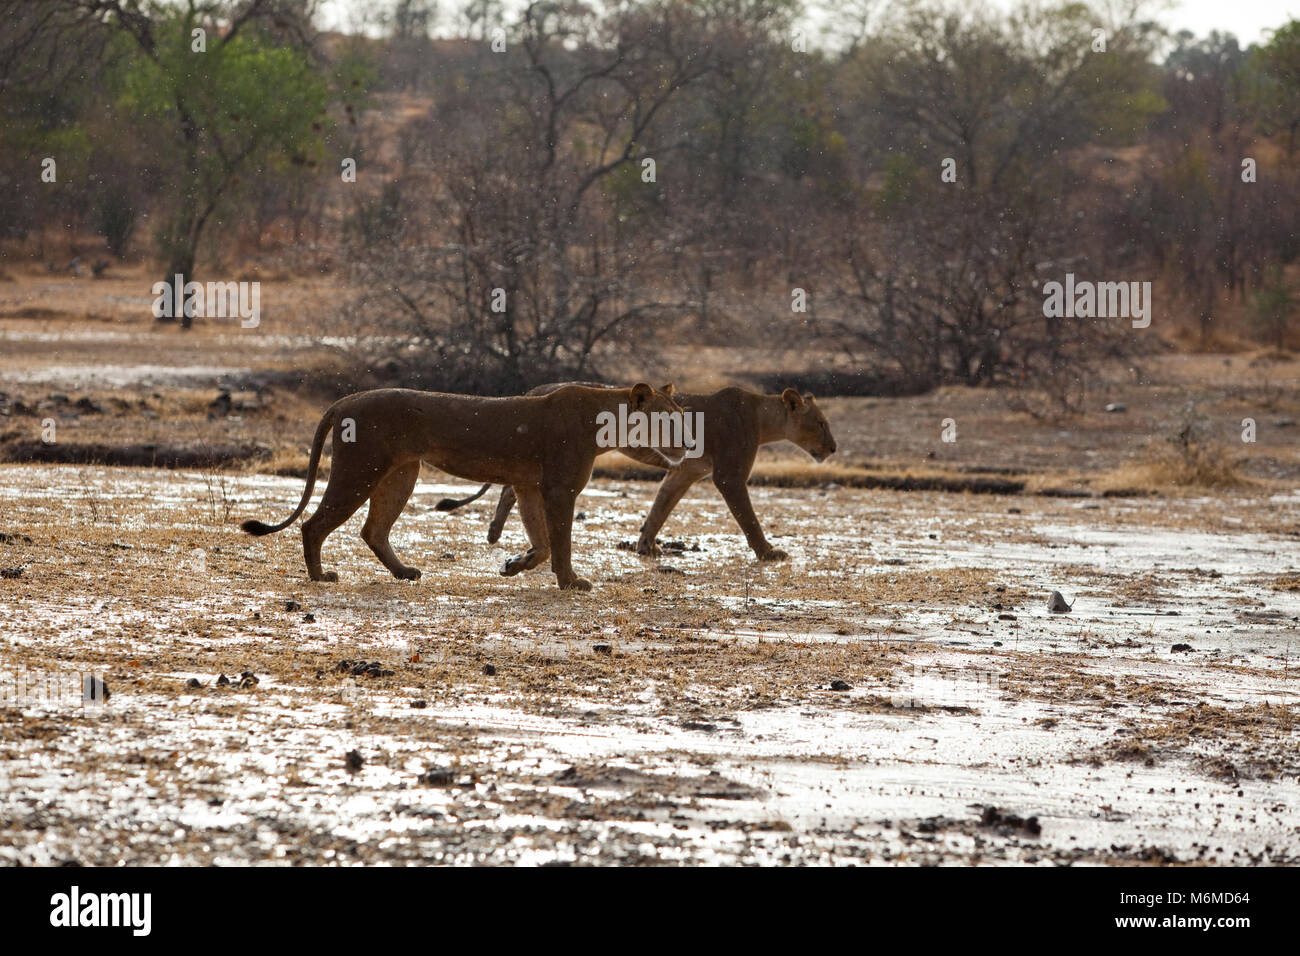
1002 820
1006 617
841 685
11 573
292 606
602 649
362 668
1180 648
420 704
490 670
94 689
354 760
193 683
1056 604
309 618
223 681
1116 407
437 777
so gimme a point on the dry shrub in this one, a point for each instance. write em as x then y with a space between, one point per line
1217 341
1271 356
1186 459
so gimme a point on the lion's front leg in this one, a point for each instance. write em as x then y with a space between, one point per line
675 484
559 525
736 494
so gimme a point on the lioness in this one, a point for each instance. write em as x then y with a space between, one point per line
543 446
736 422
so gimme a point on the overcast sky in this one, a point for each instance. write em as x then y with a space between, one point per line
1247 19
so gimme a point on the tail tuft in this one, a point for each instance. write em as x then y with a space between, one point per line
448 504
258 528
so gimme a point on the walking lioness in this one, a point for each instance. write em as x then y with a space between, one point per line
736 423
542 445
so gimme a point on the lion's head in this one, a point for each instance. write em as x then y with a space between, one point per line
806 426
660 400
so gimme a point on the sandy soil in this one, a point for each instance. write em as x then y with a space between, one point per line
686 710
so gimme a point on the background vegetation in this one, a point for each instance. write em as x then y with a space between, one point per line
506 149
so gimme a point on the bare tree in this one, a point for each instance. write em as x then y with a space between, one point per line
511 268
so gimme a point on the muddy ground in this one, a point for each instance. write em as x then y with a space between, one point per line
896 693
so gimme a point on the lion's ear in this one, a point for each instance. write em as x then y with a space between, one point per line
809 397
668 389
641 393
793 400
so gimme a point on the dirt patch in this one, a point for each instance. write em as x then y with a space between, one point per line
1256 737
133 456
862 702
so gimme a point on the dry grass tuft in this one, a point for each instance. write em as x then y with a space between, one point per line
1183 461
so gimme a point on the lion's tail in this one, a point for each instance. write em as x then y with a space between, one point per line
318 443
451 504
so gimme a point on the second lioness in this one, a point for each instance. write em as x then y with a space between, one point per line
736 423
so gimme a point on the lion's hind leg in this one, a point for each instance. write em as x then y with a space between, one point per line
346 492
386 504
532 509
504 505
